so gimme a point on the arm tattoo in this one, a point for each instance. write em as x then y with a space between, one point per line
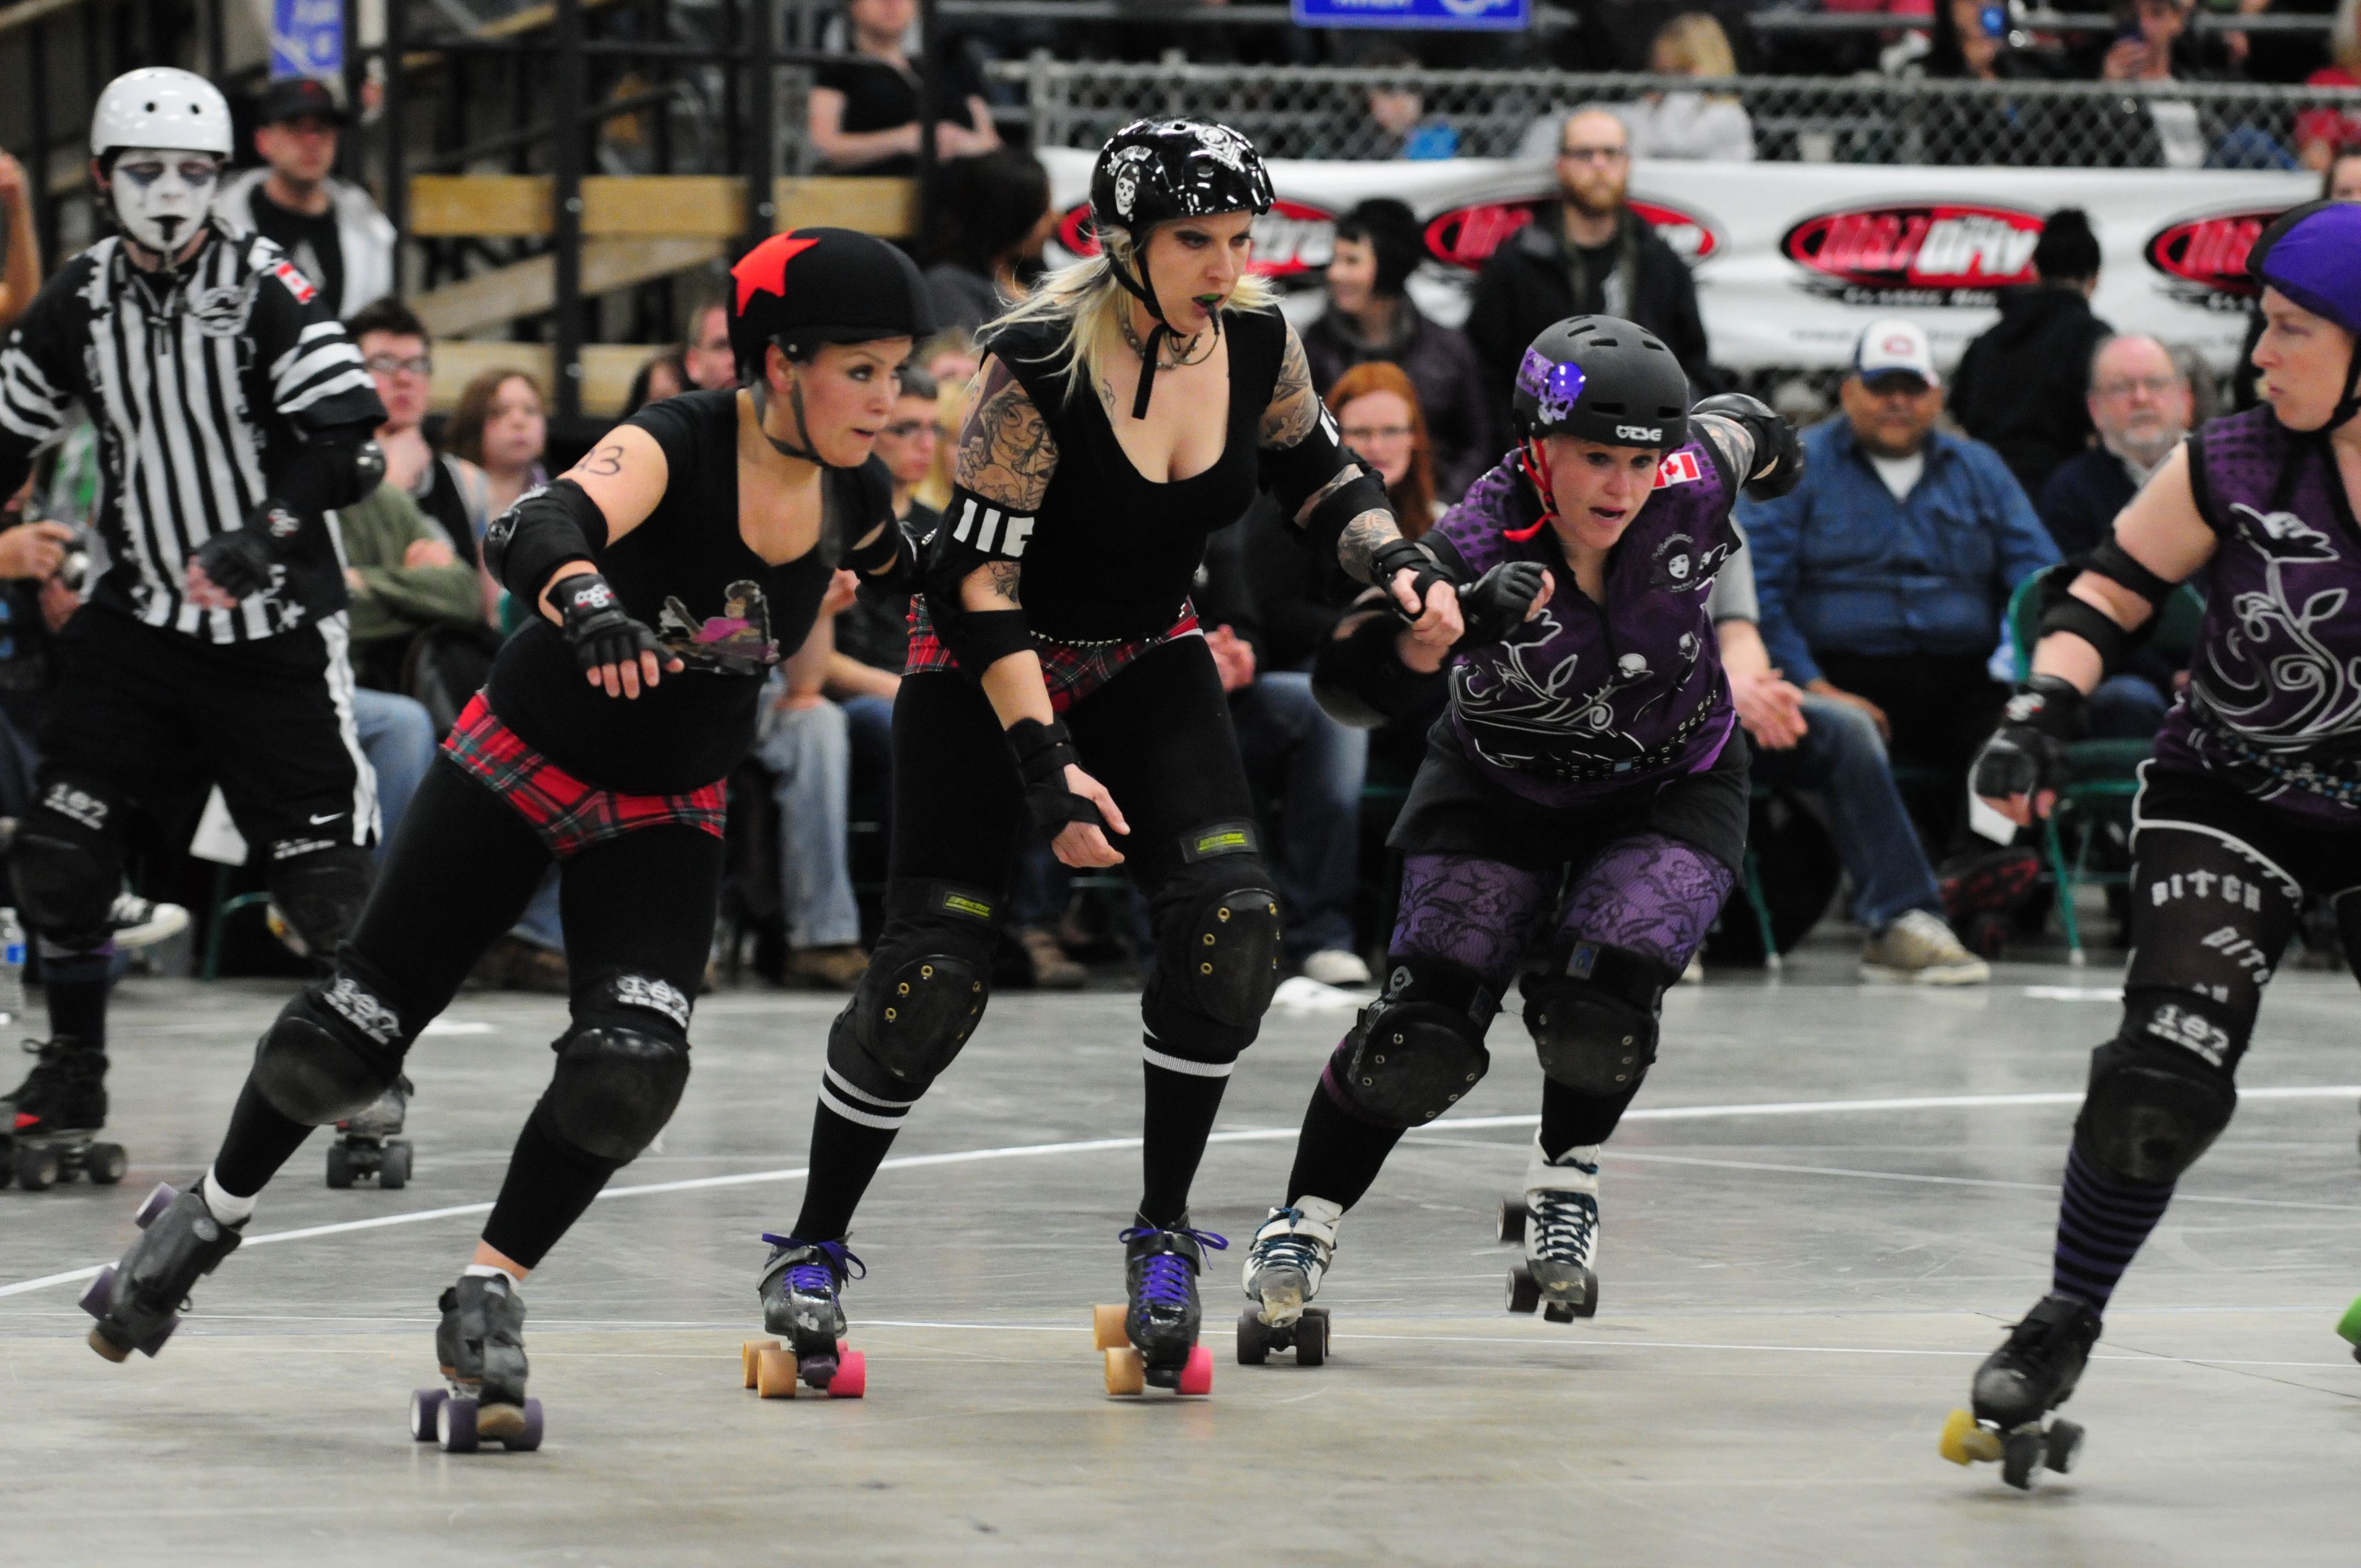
603 462
1294 407
1732 440
1001 577
1005 452
1361 539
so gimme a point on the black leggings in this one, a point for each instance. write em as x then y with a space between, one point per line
461 870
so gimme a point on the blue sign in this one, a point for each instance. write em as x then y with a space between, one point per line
307 38
1484 16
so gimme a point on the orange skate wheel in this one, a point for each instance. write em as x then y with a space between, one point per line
751 1352
1126 1372
851 1379
775 1373
1197 1377
1107 1325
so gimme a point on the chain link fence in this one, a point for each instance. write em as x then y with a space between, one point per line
1361 113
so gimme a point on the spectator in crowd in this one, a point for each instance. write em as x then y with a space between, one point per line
1371 317
806 745
328 227
1589 254
706 355
501 428
1975 40
403 575
2340 179
21 272
1884 574
662 376
873 632
2292 57
2320 132
2020 387
991 218
865 104
1816 743
1398 111
2159 45
451 491
1691 124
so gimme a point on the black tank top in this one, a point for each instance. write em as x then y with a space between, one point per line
687 573
1111 552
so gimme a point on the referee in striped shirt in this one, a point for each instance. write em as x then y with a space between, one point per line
232 412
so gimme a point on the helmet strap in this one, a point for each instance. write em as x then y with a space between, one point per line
1153 349
1533 463
796 405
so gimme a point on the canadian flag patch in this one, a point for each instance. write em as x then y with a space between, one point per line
287 272
1680 468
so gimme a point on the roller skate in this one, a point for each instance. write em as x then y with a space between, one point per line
1284 1266
138 1301
2348 1328
1557 1221
2032 1373
799 1292
365 1143
48 1126
1153 1338
480 1344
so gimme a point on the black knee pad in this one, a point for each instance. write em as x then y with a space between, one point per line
1418 1049
1217 935
2160 1091
319 891
66 867
614 1089
1593 1015
925 989
331 1051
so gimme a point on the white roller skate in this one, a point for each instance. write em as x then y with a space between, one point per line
1284 1266
1557 1220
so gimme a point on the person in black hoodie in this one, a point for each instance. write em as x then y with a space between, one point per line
2020 387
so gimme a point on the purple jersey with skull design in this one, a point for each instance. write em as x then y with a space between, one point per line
2274 699
1587 699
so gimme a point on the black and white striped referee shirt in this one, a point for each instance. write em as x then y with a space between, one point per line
202 383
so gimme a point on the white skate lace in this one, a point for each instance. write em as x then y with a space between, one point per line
1566 1222
1292 1251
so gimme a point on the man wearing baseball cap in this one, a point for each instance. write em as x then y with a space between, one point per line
329 227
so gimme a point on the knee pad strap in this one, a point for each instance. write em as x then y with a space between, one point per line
66 880
614 1089
320 892
1593 1016
1418 1049
330 1053
1218 936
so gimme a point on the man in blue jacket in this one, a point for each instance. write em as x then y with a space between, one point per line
1884 575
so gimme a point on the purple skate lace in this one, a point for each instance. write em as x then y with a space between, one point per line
1164 1278
811 1278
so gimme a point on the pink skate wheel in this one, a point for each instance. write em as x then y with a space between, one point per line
851 1379
1197 1377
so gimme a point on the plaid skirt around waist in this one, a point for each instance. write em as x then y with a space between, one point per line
568 815
1072 670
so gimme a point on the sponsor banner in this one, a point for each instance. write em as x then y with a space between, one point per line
1497 15
1793 259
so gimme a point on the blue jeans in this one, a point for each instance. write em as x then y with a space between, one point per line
540 924
1318 765
398 738
1841 756
2126 708
809 753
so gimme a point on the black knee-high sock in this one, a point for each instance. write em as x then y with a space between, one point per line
260 1140
1571 1118
1179 1118
77 985
1339 1156
547 1188
844 1158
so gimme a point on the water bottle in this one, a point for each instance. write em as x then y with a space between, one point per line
12 967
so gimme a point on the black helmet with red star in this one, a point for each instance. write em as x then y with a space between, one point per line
811 286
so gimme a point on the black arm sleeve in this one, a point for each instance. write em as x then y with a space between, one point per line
333 468
1295 473
548 527
975 532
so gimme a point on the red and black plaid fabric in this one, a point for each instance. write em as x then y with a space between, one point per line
1070 671
569 814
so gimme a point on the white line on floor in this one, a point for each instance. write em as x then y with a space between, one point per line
1242 1136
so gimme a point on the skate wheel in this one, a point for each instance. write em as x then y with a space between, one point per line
751 1352
423 1403
340 1167
104 1164
106 1348
1254 1343
2020 1455
1958 1443
2062 1446
851 1379
1197 1376
101 1293
2349 1327
155 1203
37 1168
394 1169
455 1426
816 1371
528 1439
1512 1220
1524 1291
1107 1328
775 1373
1312 1337
1126 1372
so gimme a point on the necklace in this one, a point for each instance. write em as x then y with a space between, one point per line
1182 354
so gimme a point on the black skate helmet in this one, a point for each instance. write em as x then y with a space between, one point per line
1604 380
2309 254
1153 171
813 286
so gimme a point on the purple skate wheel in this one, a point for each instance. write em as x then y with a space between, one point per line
158 1201
455 1426
423 1403
101 1293
528 1440
156 1341
816 1371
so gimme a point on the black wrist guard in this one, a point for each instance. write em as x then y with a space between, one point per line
1043 753
1494 605
598 625
1405 554
241 562
2028 754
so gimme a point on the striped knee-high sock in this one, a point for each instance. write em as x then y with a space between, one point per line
2101 1221
852 1129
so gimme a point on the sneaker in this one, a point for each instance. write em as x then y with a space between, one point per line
1052 969
1920 949
1336 965
828 969
141 923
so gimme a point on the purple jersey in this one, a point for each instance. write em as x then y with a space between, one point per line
2274 699
1586 699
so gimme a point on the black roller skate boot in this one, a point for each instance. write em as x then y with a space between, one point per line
1153 1338
799 1292
2032 1373
367 1144
48 1126
480 1344
1288 1258
138 1301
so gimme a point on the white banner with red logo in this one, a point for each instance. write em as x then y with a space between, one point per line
1792 260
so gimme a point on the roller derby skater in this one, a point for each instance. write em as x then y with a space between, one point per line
1132 406
2252 800
1588 744
668 568
801 1293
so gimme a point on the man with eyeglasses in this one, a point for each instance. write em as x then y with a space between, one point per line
1589 254
400 357
330 228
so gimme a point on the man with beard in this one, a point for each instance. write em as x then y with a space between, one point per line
1588 255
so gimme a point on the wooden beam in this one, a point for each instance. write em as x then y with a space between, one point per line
712 205
607 369
530 287
445 206
875 205
449 206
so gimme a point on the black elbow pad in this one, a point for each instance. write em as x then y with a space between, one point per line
548 527
2062 611
1778 456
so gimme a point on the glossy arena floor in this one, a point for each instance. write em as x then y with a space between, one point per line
1828 1202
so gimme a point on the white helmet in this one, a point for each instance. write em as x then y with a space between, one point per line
160 107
